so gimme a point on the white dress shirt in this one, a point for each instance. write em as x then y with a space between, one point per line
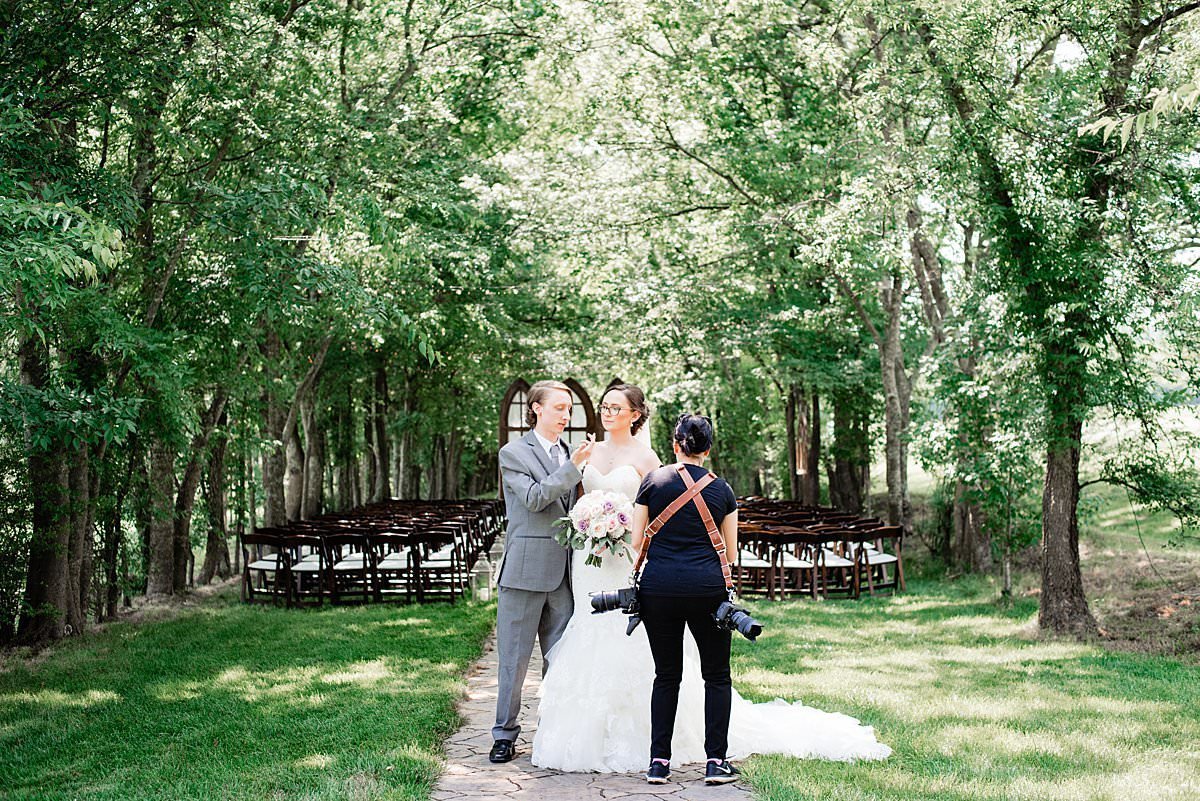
550 447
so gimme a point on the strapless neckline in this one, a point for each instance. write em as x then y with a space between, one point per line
602 475
619 480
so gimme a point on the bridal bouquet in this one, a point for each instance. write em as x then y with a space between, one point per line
599 522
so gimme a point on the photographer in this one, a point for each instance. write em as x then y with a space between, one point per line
683 583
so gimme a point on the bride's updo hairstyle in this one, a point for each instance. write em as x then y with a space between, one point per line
538 393
637 402
694 434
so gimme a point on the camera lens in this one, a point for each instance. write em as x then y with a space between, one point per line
605 601
746 626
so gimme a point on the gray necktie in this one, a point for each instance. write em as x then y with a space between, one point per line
556 455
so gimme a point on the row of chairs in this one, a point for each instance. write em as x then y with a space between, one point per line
788 548
402 551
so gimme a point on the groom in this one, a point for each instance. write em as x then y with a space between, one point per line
539 475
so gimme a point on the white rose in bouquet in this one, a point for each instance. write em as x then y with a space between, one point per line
600 522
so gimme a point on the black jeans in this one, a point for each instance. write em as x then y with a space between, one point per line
664 617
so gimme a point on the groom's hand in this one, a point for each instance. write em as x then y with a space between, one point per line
584 451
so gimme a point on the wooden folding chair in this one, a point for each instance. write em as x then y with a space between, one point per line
350 565
310 568
394 575
265 557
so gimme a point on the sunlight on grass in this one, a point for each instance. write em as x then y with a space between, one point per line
1147 781
404 623
976 706
234 702
364 674
54 698
315 761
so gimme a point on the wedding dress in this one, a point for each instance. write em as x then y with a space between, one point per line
594 713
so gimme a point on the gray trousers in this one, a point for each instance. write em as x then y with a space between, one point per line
520 615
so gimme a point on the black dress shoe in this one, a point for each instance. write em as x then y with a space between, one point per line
502 751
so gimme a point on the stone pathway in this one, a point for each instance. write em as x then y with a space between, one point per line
469 775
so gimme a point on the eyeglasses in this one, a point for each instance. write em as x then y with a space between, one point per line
606 408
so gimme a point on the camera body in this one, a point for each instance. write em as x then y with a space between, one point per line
624 599
731 617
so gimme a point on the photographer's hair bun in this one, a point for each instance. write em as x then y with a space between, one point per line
694 434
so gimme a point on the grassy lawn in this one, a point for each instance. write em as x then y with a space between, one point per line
232 702
975 706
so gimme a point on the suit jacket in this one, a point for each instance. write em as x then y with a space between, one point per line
535 496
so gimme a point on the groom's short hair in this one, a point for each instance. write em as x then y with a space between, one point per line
538 393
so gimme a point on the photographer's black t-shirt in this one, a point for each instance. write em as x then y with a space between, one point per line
682 560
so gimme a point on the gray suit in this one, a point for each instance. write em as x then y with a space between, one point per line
534 581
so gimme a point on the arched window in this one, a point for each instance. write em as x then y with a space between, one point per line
583 415
512 413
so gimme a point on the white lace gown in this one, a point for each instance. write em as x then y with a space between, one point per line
594 713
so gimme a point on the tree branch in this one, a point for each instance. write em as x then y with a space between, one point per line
1150 26
852 296
729 179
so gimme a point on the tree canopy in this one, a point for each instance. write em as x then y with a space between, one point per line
289 255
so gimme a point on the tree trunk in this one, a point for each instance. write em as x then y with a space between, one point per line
451 465
896 391
245 502
807 456
343 452
185 501
144 520
370 461
160 563
891 358
436 470
112 551
253 506
397 472
109 553
810 489
285 459
793 444
972 549
274 460
1063 607
379 490
79 562
293 488
216 549
410 471
314 459
43 617
850 452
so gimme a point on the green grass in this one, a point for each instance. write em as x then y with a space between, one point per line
235 702
973 703
1109 520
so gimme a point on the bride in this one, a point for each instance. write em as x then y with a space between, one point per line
595 709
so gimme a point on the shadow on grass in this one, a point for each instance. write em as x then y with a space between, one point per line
237 702
973 704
